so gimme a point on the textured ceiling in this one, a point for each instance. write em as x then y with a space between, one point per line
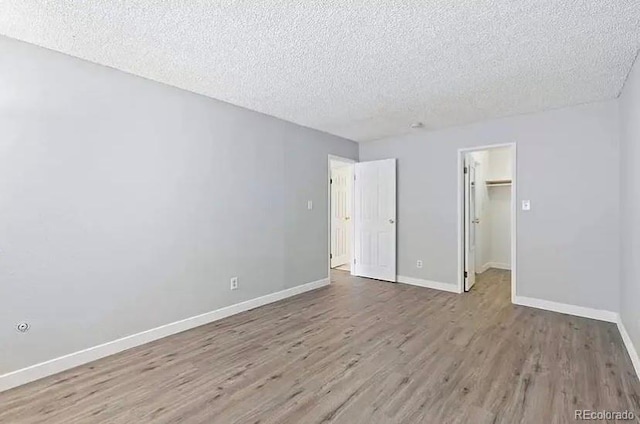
359 69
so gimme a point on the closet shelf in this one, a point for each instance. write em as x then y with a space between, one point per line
497 183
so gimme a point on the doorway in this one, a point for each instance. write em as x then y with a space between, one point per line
362 217
340 214
487 227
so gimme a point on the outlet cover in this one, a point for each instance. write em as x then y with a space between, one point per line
234 283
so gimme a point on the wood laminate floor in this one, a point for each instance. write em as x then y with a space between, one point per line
358 351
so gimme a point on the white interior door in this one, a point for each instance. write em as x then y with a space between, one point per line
375 220
340 215
470 222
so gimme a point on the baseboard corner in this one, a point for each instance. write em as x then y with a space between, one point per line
631 349
484 268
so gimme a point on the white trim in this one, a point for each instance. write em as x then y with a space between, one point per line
428 284
633 353
564 308
497 265
54 366
514 219
514 210
483 268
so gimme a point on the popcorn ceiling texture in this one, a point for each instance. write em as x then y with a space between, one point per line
361 70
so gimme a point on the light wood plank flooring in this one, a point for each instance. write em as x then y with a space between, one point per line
359 351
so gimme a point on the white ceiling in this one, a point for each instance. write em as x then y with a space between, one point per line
359 69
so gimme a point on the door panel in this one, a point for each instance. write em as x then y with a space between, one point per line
375 216
340 215
470 222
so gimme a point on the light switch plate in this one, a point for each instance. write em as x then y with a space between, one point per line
309 204
526 205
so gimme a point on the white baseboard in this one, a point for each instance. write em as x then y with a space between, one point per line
483 268
581 311
633 353
564 308
54 366
497 265
428 284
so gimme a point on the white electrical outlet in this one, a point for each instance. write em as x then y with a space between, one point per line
526 205
234 283
419 264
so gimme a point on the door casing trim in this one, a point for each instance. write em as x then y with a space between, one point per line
514 236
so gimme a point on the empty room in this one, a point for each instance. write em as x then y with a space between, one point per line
319 212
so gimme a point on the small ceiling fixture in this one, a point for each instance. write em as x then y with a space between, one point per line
417 125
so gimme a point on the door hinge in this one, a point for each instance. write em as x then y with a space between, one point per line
465 274
330 255
331 181
354 261
354 177
466 170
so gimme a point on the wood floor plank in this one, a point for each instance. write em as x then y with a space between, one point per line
358 351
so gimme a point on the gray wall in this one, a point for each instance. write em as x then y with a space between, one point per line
567 165
630 201
127 204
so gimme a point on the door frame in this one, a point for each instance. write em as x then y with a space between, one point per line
351 226
468 184
514 236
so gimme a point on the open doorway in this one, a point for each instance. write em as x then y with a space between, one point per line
362 217
487 216
341 213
